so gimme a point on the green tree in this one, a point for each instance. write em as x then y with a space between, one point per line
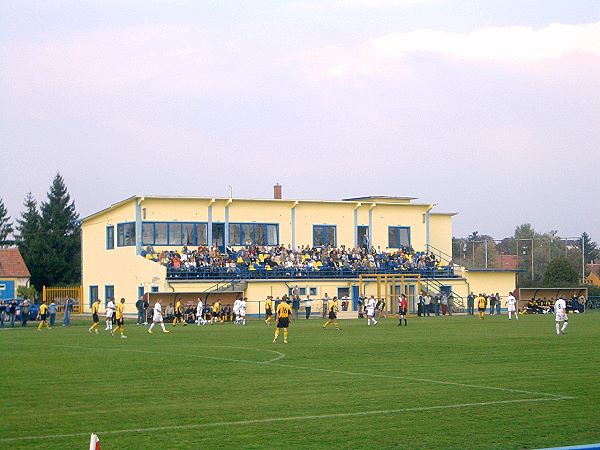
29 237
6 227
60 243
591 248
560 273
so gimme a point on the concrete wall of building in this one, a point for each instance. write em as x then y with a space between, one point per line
491 282
119 267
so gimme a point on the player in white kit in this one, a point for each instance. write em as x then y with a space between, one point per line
560 308
199 310
371 305
110 310
243 311
157 318
511 305
236 311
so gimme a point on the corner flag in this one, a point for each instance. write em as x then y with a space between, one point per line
94 442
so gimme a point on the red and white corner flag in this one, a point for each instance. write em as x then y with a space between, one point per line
94 442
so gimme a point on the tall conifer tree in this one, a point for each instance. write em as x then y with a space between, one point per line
29 237
61 243
6 226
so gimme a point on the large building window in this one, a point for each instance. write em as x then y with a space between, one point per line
253 233
174 233
398 237
110 237
125 234
324 235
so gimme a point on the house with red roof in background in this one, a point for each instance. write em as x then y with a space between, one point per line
13 272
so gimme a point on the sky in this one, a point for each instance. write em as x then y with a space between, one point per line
490 109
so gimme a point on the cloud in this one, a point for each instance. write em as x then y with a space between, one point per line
155 59
507 45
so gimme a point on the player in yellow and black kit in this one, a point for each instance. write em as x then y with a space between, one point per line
216 311
332 310
269 310
178 314
282 316
95 318
119 317
43 315
481 305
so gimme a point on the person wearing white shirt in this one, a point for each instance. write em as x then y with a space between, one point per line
560 308
199 310
236 310
157 318
371 305
511 306
307 306
242 311
110 310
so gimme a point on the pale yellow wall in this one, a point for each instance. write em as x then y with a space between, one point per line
440 234
491 282
398 215
182 210
309 214
119 267
264 212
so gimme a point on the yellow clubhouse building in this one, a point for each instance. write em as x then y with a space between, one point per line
115 243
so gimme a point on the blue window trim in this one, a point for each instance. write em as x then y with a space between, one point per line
262 224
168 233
110 237
93 297
106 286
399 227
154 289
325 226
121 234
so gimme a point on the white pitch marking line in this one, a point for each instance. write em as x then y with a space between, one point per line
272 362
285 419
396 377
218 358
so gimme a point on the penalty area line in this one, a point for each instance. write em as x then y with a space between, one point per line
284 419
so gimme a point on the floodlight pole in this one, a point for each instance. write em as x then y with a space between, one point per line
582 261
486 253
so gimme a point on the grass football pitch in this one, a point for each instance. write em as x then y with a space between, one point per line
440 382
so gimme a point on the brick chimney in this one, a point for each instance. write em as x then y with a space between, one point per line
277 191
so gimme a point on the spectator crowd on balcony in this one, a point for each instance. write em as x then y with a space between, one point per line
295 261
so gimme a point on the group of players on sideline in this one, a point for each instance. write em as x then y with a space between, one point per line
255 257
216 313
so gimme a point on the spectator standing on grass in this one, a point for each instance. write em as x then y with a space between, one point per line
436 304
52 311
498 303
492 300
2 312
146 306
420 305
68 307
307 306
139 305
444 302
427 305
471 304
25 313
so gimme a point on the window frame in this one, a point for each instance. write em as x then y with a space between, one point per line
239 234
399 228
93 298
110 237
324 227
121 234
